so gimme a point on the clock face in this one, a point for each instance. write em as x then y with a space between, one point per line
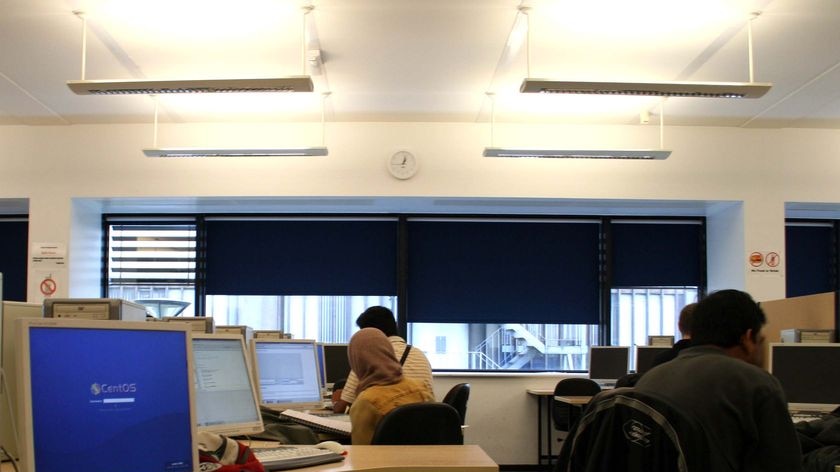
402 165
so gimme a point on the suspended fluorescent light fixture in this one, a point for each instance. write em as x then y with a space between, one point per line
644 154
749 89
241 152
205 152
658 89
637 154
301 83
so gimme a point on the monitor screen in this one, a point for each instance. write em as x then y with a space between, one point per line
225 394
93 393
287 372
645 356
608 362
336 362
807 371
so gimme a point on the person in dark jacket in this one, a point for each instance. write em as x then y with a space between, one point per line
719 382
684 325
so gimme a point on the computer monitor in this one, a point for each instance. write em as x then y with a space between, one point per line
808 373
645 356
287 373
225 392
96 394
336 362
11 311
608 363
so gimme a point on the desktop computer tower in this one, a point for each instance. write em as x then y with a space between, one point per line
199 324
801 335
94 309
11 311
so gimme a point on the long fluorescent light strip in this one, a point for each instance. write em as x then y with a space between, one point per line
203 152
659 89
641 154
301 83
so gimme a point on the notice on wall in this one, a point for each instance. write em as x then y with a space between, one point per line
764 262
49 270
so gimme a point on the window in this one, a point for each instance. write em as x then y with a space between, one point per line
811 257
152 262
14 246
489 293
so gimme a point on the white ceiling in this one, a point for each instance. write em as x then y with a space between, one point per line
429 60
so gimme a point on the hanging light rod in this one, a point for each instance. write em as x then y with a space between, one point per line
301 83
643 154
204 152
658 89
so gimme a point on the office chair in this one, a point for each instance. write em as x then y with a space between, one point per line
624 429
457 396
628 380
562 414
429 423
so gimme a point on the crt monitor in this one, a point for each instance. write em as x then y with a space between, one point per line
225 393
99 393
336 362
287 373
808 373
645 356
608 362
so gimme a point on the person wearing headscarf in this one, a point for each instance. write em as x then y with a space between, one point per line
382 386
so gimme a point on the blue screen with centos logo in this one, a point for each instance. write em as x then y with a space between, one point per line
110 400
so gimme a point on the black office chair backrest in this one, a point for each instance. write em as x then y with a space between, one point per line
574 386
429 423
457 396
624 429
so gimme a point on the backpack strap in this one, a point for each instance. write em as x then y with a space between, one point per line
405 354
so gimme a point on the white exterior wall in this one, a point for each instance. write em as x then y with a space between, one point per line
68 174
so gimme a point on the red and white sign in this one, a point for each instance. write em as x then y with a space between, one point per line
48 286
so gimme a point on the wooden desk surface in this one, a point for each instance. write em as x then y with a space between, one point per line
540 392
468 458
576 400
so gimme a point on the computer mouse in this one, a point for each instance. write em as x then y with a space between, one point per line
333 446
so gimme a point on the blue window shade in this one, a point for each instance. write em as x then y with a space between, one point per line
301 257
14 241
657 254
809 259
503 272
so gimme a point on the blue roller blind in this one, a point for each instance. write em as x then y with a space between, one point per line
301 257
646 254
810 258
14 243
503 271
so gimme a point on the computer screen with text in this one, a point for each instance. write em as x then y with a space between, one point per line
100 393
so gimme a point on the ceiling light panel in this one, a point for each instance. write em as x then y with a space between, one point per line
648 89
238 152
154 87
631 154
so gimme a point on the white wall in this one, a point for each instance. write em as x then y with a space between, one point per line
741 178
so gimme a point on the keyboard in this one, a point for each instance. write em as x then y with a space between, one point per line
293 457
798 416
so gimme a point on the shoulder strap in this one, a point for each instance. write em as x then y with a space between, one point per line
405 354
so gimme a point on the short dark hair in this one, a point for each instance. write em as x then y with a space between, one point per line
686 316
380 318
724 316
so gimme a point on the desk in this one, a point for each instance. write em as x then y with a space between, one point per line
544 398
468 458
578 400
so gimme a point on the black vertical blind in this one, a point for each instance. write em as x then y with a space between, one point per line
301 257
14 243
810 258
503 271
646 254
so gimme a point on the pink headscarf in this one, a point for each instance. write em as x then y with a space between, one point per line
373 360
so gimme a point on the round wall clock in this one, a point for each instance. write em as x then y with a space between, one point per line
402 165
